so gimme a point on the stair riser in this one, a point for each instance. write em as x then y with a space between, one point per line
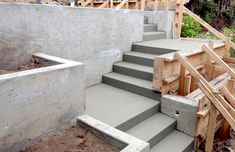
149 93
154 37
133 73
138 119
145 20
156 139
138 60
150 28
151 50
189 148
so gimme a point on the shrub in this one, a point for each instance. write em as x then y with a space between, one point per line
190 27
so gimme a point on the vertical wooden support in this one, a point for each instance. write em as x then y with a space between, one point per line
211 129
178 18
137 4
182 80
142 5
156 5
209 70
227 47
111 3
127 4
187 85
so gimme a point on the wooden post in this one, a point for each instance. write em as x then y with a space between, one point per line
209 72
182 80
156 5
187 85
142 5
111 3
127 4
178 18
227 47
211 129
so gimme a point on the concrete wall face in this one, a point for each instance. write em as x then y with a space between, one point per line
96 37
163 19
183 110
33 104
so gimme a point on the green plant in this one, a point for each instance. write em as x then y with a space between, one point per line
190 27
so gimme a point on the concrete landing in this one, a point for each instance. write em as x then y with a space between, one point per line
115 106
178 45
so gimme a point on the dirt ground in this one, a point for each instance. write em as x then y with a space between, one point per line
75 139
32 64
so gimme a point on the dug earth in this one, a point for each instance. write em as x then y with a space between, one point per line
74 139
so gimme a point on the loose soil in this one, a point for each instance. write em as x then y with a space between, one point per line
32 64
75 139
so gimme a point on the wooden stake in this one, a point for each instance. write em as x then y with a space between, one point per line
182 80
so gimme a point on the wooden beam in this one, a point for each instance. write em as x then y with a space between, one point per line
106 3
187 85
142 5
215 57
228 96
207 89
205 24
211 129
182 80
122 4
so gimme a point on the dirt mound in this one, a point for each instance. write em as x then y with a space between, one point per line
75 139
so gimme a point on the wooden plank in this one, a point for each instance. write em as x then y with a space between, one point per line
142 5
209 70
105 4
219 61
207 89
211 129
178 18
205 24
167 69
182 80
187 85
122 4
228 96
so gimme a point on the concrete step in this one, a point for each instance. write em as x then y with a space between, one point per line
134 70
118 108
150 27
135 85
145 20
139 58
148 36
154 129
175 142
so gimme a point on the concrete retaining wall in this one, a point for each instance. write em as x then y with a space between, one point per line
96 37
38 101
163 19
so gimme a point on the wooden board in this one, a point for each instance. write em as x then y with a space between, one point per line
167 69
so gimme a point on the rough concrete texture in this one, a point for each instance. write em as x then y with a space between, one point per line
182 109
38 101
96 37
116 137
163 19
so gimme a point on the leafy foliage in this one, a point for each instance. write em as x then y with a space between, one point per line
190 27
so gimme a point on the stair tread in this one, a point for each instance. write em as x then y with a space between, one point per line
154 32
139 54
115 106
134 66
150 24
128 79
176 141
151 126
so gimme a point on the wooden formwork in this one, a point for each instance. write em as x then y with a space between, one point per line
167 69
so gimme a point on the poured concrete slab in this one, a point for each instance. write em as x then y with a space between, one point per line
115 106
178 45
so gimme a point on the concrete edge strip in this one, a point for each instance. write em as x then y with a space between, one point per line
62 64
133 144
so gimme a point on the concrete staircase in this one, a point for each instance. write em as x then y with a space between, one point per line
125 99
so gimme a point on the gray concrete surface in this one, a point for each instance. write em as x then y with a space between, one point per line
35 102
183 110
117 107
163 19
96 37
115 136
